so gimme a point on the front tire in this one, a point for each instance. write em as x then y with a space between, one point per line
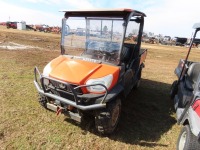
42 100
187 140
106 120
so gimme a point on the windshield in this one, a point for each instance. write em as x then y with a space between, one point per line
96 38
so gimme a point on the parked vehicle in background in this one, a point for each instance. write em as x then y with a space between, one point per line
42 28
153 40
11 25
30 27
196 42
3 23
166 40
186 95
179 41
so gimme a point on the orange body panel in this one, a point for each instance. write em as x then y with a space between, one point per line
76 71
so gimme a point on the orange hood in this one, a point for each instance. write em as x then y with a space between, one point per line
77 71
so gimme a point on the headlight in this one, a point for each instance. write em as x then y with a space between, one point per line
107 81
47 69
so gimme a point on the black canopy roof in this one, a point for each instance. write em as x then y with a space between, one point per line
114 13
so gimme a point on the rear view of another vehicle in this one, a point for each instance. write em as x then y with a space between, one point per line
186 95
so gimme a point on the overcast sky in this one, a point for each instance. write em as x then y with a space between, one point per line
167 17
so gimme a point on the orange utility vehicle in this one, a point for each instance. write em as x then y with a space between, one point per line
105 71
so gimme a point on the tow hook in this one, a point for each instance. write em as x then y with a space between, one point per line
59 110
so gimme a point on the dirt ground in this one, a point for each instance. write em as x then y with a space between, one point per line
38 40
148 120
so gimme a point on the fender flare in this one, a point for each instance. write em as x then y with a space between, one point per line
188 120
118 90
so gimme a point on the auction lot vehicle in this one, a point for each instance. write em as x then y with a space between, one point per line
42 28
11 25
105 72
186 94
179 41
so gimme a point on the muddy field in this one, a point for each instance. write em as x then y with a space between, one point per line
148 118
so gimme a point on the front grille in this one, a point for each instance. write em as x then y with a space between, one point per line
54 83
63 87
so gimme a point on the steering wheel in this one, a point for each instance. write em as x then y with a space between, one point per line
106 55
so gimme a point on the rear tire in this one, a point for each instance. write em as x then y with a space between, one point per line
187 140
106 120
174 89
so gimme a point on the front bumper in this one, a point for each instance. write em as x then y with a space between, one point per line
76 103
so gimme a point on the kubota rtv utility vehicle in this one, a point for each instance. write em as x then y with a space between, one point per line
105 72
186 94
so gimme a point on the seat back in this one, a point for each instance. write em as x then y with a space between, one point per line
127 52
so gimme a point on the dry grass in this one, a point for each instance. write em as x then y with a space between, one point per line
148 120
